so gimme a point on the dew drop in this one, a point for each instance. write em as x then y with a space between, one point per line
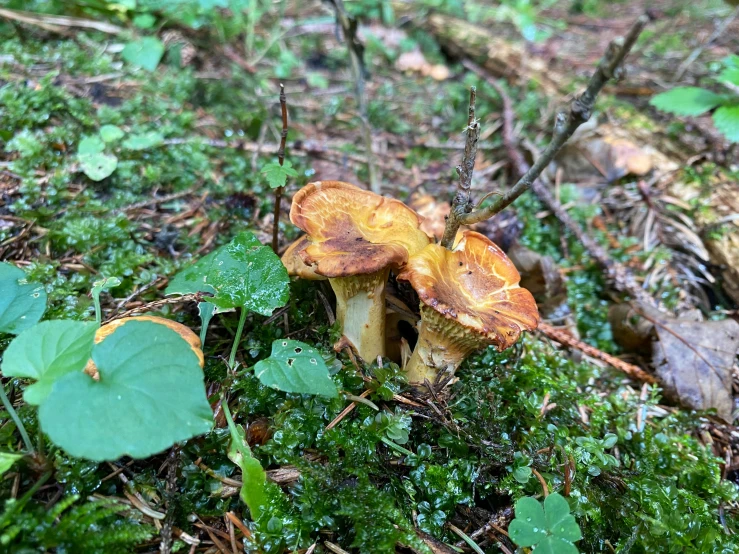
528 519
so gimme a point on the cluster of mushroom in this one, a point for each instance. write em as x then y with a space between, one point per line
469 296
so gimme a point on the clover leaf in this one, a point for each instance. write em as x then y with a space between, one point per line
150 395
277 174
21 303
297 367
549 529
145 52
47 352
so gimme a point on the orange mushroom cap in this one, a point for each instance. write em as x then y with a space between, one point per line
294 263
354 231
476 285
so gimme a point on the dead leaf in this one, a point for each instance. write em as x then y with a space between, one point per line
630 331
541 277
694 361
415 61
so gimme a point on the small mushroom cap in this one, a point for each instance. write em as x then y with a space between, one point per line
354 231
185 332
294 263
476 285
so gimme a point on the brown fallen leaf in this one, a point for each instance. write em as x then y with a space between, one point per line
541 277
415 61
694 360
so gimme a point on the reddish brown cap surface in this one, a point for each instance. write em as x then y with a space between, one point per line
353 231
294 263
476 285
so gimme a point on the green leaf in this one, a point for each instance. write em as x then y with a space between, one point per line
726 120
150 396
729 75
21 303
610 440
7 460
522 474
277 174
253 476
98 166
111 133
145 53
143 141
529 527
686 101
555 545
144 21
243 273
295 366
559 521
46 353
90 145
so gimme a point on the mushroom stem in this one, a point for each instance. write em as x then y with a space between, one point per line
360 310
442 346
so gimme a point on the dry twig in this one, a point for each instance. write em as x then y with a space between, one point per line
281 158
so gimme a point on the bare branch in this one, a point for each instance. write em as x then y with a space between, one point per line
461 204
281 158
567 121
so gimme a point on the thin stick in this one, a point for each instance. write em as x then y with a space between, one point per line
17 420
281 158
165 546
356 53
237 338
461 202
565 124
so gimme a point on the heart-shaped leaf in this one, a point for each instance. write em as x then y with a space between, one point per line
98 166
21 303
145 52
295 366
555 545
559 521
150 396
47 352
244 274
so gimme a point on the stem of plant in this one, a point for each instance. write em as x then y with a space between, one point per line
565 125
237 338
281 158
17 420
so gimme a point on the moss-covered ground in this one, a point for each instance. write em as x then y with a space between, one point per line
377 477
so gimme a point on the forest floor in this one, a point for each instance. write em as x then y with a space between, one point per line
643 471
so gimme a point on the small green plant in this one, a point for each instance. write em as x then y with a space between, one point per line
98 164
693 101
547 528
22 303
296 367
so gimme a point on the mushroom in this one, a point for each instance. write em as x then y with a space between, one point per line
356 237
185 332
470 298
295 265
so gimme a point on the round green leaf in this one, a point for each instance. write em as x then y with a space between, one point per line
111 133
90 145
529 527
21 303
726 119
559 521
98 166
522 474
150 396
46 353
555 545
143 141
295 366
145 52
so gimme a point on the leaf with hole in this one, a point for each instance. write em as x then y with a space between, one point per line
242 274
97 166
145 53
21 303
150 395
47 352
297 367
